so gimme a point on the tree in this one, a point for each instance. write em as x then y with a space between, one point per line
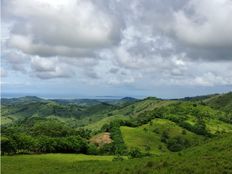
135 153
177 143
8 145
25 143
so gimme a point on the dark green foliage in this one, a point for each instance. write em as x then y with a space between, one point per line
177 144
85 133
135 153
118 145
156 130
52 128
8 145
107 149
184 132
43 135
24 143
165 136
71 144
150 164
92 149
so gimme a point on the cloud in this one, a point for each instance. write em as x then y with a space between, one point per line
50 68
206 28
209 26
16 60
71 28
3 73
136 43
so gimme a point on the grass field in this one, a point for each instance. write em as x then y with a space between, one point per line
215 126
45 163
150 135
137 137
213 157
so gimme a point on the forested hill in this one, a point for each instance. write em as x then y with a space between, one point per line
151 127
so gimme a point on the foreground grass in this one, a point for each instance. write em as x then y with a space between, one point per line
213 157
45 163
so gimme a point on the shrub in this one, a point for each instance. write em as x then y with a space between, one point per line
135 153
92 149
165 136
177 144
150 164
160 147
156 130
184 132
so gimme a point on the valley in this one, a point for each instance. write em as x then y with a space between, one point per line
151 135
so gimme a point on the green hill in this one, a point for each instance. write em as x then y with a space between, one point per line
130 110
190 135
14 110
222 102
141 106
150 135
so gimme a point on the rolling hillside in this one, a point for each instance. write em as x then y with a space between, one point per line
150 135
191 135
222 102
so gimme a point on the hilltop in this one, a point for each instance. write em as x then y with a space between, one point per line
141 135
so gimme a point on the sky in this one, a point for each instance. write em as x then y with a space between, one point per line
89 48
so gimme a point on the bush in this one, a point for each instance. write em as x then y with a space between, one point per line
165 136
92 149
177 144
156 130
184 132
135 153
150 164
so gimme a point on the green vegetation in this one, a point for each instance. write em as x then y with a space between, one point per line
222 102
212 157
158 135
190 135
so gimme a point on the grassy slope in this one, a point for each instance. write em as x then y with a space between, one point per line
150 134
98 124
215 126
132 110
213 157
75 114
223 102
141 106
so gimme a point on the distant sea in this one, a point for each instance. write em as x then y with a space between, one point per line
64 96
